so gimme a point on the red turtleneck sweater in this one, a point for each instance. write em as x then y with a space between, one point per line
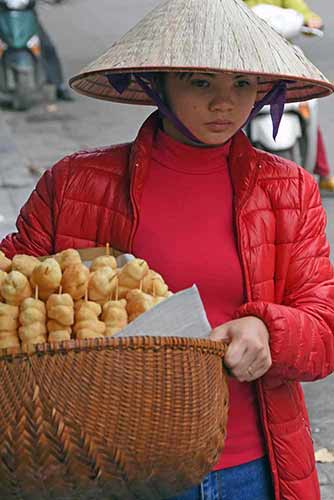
186 233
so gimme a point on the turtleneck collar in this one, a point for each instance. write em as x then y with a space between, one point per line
175 155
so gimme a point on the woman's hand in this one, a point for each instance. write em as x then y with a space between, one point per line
315 22
248 355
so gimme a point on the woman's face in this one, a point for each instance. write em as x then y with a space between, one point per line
212 106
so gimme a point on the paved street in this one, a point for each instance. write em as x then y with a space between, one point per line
31 142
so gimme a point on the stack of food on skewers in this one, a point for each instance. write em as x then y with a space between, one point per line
61 298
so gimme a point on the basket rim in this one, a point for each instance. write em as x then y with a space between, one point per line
140 342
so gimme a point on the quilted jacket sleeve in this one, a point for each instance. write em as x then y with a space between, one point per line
301 329
38 217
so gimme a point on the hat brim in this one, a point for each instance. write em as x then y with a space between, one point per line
96 84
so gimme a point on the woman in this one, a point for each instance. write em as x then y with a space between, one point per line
194 198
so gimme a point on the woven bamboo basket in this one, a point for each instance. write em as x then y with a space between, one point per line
114 418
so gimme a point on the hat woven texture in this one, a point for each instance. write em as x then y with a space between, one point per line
203 35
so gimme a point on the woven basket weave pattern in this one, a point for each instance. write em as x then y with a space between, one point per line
111 419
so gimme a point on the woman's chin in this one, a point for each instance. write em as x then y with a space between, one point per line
214 139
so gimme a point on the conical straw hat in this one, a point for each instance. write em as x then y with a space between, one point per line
203 35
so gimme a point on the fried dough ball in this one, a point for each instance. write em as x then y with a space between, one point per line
8 333
67 258
157 300
75 280
3 275
122 291
32 310
87 324
94 325
102 284
115 316
58 332
8 326
54 325
30 346
9 311
9 341
59 299
60 307
47 276
131 274
7 323
59 335
103 261
86 309
88 333
137 303
154 284
33 323
25 264
15 288
60 310
32 315
5 264
29 332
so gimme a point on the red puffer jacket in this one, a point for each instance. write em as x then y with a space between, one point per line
93 197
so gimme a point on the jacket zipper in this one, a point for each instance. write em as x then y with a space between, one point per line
134 208
259 387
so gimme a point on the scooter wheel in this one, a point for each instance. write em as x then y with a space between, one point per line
22 93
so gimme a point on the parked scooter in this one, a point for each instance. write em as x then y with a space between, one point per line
297 135
21 70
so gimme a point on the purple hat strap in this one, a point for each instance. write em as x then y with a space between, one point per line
120 82
275 98
164 109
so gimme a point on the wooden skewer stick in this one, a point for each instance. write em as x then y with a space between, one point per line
86 294
141 285
36 292
60 290
116 289
107 249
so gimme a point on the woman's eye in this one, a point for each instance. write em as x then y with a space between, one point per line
242 83
200 83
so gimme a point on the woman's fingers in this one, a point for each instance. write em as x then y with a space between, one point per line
254 371
220 333
248 354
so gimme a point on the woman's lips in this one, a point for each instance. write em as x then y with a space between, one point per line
218 126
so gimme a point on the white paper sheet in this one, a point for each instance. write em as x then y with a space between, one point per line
181 315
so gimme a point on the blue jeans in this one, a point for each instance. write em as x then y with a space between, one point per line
250 481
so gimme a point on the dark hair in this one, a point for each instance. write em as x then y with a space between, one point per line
159 77
159 81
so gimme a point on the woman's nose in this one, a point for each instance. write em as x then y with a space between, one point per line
222 101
